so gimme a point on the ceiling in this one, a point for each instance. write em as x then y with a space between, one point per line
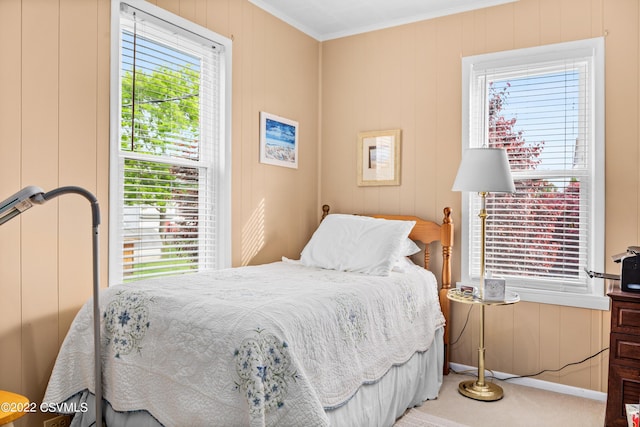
331 19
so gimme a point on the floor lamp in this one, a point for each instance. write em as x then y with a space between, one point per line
483 170
23 200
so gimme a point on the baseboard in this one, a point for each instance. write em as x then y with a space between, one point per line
535 383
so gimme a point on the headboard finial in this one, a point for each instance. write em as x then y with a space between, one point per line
447 215
325 211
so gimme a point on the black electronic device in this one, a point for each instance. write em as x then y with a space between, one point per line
630 274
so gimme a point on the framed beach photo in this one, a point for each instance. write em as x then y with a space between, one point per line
379 158
278 141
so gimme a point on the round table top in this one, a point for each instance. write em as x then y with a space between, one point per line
456 294
12 406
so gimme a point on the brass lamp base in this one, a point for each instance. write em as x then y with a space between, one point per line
488 392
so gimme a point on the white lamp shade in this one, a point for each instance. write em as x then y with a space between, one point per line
484 170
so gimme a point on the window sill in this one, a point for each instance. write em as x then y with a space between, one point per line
588 301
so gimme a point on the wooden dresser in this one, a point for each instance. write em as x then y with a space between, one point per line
624 356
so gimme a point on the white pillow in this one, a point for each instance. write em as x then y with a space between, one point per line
409 248
402 265
357 243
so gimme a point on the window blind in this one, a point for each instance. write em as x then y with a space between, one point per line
541 112
169 147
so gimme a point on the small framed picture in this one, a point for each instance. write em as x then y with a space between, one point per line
278 141
379 158
494 289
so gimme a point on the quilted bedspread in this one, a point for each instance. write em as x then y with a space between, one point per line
275 344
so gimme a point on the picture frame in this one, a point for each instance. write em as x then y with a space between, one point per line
494 289
278 140
379 157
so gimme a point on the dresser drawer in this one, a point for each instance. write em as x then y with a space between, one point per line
625 350
625 318
624 387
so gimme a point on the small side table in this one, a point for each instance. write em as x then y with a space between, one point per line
479 389
12 407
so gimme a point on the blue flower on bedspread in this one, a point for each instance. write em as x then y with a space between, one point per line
127 321
352 317
409 301
263 364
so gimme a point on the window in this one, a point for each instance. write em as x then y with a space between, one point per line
170 164
544 105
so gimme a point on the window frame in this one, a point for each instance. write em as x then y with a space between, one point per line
593 295
221 170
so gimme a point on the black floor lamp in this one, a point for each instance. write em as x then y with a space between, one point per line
23 200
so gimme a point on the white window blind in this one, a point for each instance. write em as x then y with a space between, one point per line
170 153
541 106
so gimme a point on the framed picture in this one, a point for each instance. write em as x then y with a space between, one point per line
494 289
278 141
379 157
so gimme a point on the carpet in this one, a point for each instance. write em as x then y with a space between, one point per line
422 419
521 406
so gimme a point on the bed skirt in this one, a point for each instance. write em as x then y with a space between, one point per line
377 404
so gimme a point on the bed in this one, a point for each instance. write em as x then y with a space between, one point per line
353 333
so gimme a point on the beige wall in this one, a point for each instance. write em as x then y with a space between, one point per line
409 77
54 125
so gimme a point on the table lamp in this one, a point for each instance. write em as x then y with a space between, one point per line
484 170
25 199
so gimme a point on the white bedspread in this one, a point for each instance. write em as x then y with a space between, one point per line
265 345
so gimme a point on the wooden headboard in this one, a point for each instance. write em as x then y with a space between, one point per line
428 232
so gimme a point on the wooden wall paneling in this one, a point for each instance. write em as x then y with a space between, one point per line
637 94
305 215
460 344
252 56
599 340
339 129
474 336
526 17
188 10
103 45
10 182
223 15
172 6
449 120
299 78
550 336
78 153
201 15
40 88
622 148
575 345
465 351
426 136
468 34
361 94
388 113
261 83
237 28
478 33
579 26
500 343
550 20
366 116
527 336
500 28
408 119
597 18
